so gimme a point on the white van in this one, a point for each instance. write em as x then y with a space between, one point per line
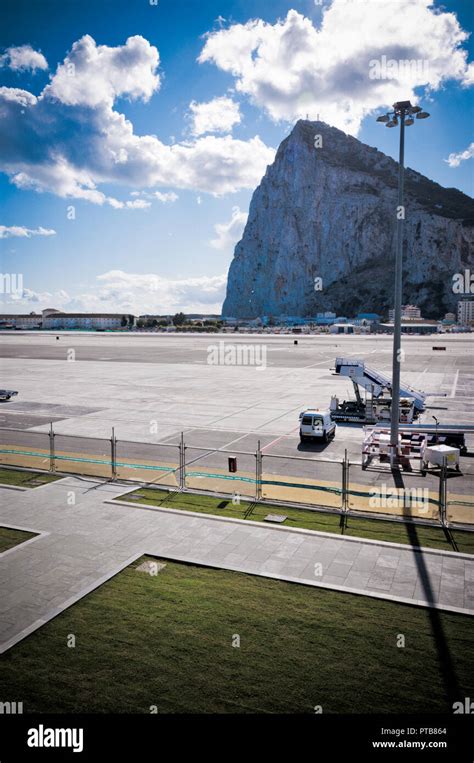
316 425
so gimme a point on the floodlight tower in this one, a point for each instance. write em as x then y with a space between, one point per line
402 114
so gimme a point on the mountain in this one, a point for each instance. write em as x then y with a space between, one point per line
329 213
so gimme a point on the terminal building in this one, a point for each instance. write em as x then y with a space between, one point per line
56 320
29 321
87 321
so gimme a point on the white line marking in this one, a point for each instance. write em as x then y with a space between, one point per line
224 447
277 439
455 384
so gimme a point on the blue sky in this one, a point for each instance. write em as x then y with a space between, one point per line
133 134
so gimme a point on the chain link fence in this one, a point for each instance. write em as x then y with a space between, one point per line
89 456
153 463
393 493
306 480
209 470
342 486
31 450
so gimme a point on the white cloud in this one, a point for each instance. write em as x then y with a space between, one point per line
230 232
454 160
165 198
98 74
468 79
27 299
18 96
137 293
23 58
218 115
292 69
20 231
135 204
69 140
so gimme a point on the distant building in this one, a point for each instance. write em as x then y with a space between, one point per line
325 319
413 327
449 320
368 317
89 321
342 328
31 321
49 311
466 312
409 313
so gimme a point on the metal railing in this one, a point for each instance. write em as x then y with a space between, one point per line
342 485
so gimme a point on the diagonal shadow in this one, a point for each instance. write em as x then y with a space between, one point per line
448 670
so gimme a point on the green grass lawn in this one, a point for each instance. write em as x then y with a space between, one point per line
166 640
395 532
10 537
25 478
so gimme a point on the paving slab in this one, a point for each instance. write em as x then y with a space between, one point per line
80 547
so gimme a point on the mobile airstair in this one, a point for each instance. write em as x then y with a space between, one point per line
376 382
378 386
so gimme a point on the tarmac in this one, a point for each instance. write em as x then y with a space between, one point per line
152 387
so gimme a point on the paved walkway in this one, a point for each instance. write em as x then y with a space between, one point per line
84 540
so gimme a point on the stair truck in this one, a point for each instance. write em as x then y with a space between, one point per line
377 403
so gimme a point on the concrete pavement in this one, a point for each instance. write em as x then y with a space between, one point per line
83 540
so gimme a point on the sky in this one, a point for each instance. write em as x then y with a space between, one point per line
134 132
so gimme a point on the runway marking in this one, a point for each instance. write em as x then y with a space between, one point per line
242 437
418 378
282 415
455 384
277 439
326 360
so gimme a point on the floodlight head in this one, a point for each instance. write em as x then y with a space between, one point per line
422 115
409 121
402 106
392 123
415 109
383 118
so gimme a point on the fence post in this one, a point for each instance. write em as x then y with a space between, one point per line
345 482
113 454
258 473
52 462
443 493
182 463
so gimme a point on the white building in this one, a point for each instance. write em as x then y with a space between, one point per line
31 321
342 328
466 312
89 321
409 313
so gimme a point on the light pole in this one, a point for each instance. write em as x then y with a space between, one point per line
402 114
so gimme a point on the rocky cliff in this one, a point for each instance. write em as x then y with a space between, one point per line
321 233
